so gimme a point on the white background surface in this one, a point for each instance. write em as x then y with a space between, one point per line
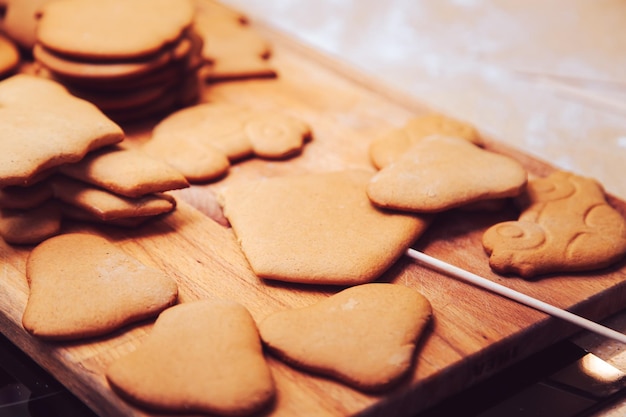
548 77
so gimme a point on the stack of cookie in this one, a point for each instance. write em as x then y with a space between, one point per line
131 58
61 158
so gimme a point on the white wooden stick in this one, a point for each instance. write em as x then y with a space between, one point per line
516 295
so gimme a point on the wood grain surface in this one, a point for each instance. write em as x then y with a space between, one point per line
473 335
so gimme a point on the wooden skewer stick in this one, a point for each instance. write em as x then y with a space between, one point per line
516 295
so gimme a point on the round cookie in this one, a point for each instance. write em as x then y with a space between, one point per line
113 29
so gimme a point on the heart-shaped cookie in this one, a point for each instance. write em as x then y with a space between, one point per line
365 335
440 172
203 356
390 147
82 285
317 228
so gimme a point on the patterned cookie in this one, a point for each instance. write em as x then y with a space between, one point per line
126 172
82 286
200 357
216 134
566 224
438 173
391 146
365 335
44 126
113 29
347 240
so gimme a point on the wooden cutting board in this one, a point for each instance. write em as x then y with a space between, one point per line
473 335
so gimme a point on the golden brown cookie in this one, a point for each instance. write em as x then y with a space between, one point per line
439 173
390 147
16 197
365 335
20 21
126 172
317 228
231 46
69 69
44 126
113 29
82 286
108 206
76 213
215 134
200 357
566 225
30 226
9 56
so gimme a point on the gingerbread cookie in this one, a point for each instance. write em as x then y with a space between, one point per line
200 357
16 197
365 335
20 21
215 134
232 47
566 225
317 228
44 126
438 173
108 206
30 226
141 27
9 56
390 147
139 70
126 172
82 286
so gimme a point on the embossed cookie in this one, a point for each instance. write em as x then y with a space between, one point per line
216 134
391 146
317 228
439 173
82 285
200 357
566 225
43 126
126 172
365 335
